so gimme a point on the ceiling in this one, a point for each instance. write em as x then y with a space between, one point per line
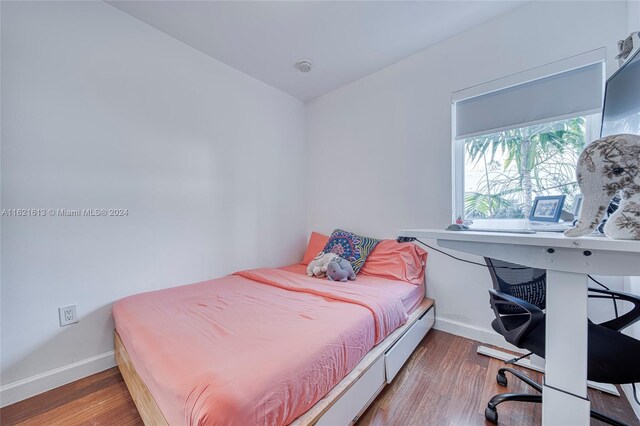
345 41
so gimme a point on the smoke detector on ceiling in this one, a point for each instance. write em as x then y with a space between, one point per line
303 66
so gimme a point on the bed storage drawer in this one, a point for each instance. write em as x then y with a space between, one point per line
361 393
398 354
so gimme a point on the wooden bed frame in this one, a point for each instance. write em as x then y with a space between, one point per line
344 403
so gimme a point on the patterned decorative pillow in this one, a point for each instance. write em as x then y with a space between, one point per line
351 247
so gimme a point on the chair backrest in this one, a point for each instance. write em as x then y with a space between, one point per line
528 284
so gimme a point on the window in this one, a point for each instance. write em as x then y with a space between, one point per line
505 171
519 137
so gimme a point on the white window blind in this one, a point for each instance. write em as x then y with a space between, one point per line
562 95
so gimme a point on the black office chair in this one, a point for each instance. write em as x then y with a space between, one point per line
518 301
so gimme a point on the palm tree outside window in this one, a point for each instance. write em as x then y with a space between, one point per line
505 171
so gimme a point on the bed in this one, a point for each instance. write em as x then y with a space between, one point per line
267 346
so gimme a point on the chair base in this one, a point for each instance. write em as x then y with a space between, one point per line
539 367
491 412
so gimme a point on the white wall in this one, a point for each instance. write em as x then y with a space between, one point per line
100 110
633 16
386 139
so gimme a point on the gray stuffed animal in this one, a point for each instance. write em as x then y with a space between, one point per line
340 270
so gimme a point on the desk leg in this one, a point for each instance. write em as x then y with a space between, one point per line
565 389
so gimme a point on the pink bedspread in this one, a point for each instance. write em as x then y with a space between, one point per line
258 347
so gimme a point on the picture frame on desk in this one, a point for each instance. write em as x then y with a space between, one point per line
547 208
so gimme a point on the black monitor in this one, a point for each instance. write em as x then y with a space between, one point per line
621 112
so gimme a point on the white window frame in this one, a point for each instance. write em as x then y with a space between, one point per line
457 146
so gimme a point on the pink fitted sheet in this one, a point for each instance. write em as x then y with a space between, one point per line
411 295
258 347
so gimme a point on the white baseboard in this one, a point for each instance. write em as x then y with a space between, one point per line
25 388
628 390
483 335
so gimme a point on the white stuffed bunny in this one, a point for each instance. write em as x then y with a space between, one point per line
318 266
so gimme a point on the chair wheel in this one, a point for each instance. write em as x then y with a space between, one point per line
501 378
491 414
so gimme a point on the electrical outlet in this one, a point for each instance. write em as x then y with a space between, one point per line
67 315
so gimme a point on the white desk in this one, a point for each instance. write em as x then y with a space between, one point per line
567 261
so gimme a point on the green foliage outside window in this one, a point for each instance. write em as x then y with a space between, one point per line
510 168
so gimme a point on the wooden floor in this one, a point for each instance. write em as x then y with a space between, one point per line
444 383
